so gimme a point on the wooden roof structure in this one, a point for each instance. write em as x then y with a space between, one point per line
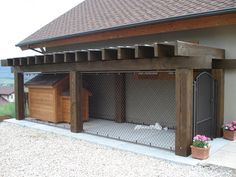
157 56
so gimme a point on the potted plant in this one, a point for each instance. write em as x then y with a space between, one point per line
200 147
229 131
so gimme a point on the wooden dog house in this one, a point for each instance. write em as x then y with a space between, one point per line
48 101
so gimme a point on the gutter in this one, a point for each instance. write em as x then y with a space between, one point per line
149 22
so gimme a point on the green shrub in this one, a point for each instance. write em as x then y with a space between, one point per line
8 110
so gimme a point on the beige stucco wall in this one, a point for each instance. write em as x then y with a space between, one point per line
222 37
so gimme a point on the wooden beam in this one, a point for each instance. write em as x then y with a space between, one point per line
76 86
58 57
165 63
144 51
120 98
16 61
191 49
19 95
109 54
224 64
184 111
157 28
94 55
163 50
218 75
69 57
39 59
30 60
48 58
126 53
23 61
81 56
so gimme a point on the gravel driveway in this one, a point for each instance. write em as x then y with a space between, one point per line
26 152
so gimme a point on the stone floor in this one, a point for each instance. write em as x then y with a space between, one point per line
129 132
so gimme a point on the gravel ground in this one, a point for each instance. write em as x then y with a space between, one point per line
26 152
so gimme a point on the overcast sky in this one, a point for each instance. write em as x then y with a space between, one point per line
20 18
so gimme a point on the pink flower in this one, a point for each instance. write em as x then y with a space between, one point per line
234 122
231 129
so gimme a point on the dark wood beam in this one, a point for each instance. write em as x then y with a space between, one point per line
7 62
224 64
39 59
94 55
19 95
192 49
165 63
81 56
23 61
184 111
126 53
144 51
16 61
109 54
76 86
69 57
218 75
48 58
120 98
30 60
157 28
58 58
163 50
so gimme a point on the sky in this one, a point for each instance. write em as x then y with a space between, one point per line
21 18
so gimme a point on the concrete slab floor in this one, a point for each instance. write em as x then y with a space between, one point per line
217 145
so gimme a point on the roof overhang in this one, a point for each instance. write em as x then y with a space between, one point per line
180 23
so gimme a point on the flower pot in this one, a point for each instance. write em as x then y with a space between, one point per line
200 153
229 135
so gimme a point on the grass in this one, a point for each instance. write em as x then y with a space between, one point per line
8 110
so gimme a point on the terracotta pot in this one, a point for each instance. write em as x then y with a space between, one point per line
229 135
200 153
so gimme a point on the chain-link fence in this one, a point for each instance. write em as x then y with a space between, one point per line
148 107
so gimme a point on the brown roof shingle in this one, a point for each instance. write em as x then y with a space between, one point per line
94 15
6 90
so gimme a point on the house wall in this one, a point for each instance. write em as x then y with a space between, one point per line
147 101
221 37
9 98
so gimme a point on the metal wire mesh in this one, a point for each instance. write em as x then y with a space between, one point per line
149 107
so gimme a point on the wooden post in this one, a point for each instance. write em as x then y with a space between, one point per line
184 111
19 96
218 75
120 98
76 122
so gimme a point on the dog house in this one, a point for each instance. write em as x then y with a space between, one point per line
49 98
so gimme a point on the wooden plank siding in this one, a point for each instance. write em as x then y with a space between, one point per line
184 111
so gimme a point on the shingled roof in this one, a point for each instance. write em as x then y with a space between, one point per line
98 15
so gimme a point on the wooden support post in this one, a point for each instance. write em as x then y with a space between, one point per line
19 96
184 111
16 61
218 75
120 98
126 53
76 82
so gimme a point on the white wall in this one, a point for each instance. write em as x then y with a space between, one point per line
221 37
10 98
